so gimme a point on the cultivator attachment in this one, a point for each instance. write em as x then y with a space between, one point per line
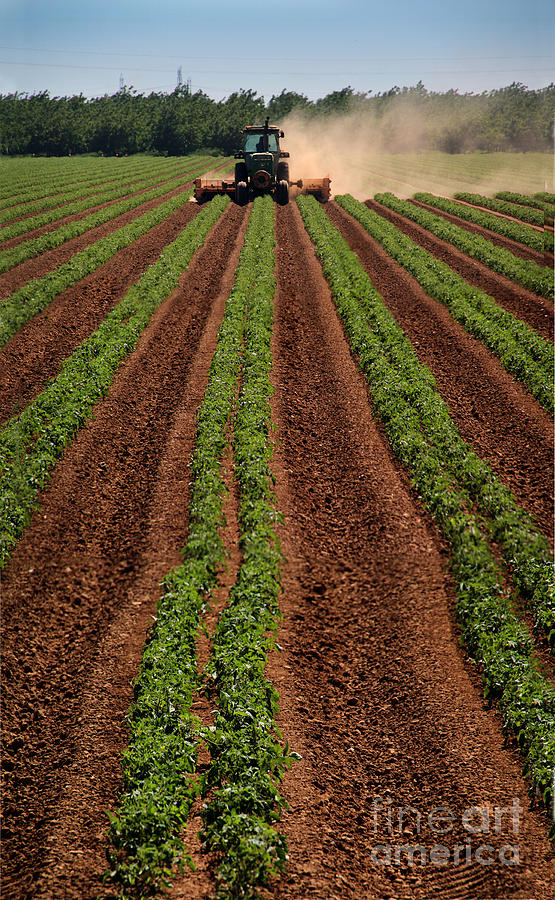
206 188
318 187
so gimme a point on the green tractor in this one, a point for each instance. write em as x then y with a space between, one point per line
261 168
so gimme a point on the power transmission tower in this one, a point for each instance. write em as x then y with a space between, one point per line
121 82
179 77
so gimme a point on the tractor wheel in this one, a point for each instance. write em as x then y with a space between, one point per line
241 193
241 173
282 193
283 171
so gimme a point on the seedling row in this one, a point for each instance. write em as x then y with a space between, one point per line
58 196
522 233
36 246
105 195
525 272
247 759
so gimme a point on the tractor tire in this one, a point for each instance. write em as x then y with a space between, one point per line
241 173
241 193
283 171
282 193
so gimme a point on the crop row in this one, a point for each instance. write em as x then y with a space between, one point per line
545 197
247 761
81 199
524 213
520 349
24 186
525 272
161 758
525 551
526 200
513 230
35 246
32 442
33 297
51 174
447 481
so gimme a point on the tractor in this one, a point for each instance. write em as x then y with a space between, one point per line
261 168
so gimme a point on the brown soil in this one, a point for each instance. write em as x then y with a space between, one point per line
82 585
35 353
484 401
376 692
38 266
518 249
526 305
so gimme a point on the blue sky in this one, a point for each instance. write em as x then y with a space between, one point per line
311 46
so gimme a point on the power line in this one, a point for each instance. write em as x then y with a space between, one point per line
264 72
327 57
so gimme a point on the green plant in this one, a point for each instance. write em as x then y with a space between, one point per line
525 214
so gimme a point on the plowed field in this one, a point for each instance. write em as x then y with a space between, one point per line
378 693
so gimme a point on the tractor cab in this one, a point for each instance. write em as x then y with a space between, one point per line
257 141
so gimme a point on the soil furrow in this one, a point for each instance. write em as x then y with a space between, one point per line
534 310
35 353
485 402
521 250
375 691
37 266
82 585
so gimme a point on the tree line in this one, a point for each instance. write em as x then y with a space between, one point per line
512 118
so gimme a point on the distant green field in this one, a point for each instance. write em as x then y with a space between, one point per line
445 173
400 173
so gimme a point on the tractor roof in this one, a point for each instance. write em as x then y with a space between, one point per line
261 128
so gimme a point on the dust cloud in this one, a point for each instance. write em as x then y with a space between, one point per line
364 154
